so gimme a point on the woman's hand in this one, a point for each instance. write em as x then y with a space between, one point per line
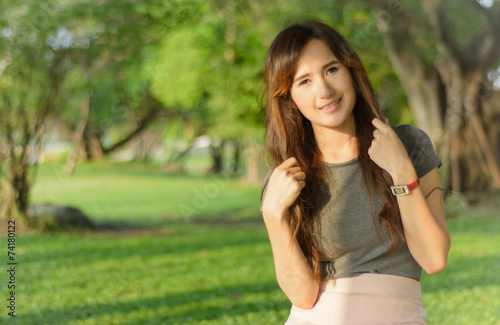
285 184
293 272
389 153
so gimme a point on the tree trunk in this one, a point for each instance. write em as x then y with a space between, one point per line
235 168
216 149
15 189
79 136
420 81
153 108
8 209
15 193
145 144
253 159
445 94
490 101
93 147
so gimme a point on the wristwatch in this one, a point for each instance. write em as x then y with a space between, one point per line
404 189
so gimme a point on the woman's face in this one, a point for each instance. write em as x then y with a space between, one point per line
323 89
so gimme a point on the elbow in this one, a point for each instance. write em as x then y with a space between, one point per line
303 296
306 300
436 266
435 269
437 261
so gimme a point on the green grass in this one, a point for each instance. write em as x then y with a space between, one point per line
468 290
188 271
179 278
137 193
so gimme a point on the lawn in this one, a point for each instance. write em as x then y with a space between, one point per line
193 250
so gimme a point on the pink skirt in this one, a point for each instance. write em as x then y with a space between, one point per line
368 299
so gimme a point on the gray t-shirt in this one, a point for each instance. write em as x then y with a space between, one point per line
351 240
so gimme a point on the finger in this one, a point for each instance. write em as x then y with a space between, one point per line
386 120
370 151
299 176
290 162
293 170
378 124
302 184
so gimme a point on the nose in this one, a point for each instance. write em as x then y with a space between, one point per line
325 90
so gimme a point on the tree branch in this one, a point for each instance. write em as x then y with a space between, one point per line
400 15
446 45
486 12
155 108
485 39
447 38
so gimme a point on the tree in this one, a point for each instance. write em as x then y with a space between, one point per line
30 85
120 105
447 55
52 53
210 71
212 68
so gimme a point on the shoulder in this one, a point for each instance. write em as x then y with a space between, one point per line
413 138
419 147
410 134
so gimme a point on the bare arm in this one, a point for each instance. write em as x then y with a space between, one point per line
294 275
424 222
423 218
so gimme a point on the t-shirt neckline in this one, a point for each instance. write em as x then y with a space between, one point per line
346 163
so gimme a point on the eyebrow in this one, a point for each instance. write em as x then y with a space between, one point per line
322 68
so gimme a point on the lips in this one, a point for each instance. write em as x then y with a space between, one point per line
330 105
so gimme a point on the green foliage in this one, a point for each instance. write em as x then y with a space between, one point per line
203 59
206 69
460 12
213 67
180 70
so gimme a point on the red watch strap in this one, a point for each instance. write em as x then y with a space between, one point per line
413 185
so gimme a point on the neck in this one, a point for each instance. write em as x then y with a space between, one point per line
338 145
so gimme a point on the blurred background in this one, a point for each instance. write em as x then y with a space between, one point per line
131 151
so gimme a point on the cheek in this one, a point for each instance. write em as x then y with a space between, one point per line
302 104
304 96
298 98
348 83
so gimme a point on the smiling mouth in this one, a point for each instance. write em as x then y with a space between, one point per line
330 105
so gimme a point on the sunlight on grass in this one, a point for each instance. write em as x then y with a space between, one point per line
211 274
144 195
468 290
194 272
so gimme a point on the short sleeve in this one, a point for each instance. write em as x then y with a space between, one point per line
420 149
264 188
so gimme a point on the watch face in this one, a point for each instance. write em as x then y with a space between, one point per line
399 190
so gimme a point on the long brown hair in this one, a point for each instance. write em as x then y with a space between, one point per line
290 134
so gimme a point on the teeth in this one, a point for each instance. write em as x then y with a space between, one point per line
334 103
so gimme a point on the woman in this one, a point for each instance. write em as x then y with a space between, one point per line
349 202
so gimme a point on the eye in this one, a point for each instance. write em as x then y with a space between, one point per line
303 82
331 70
